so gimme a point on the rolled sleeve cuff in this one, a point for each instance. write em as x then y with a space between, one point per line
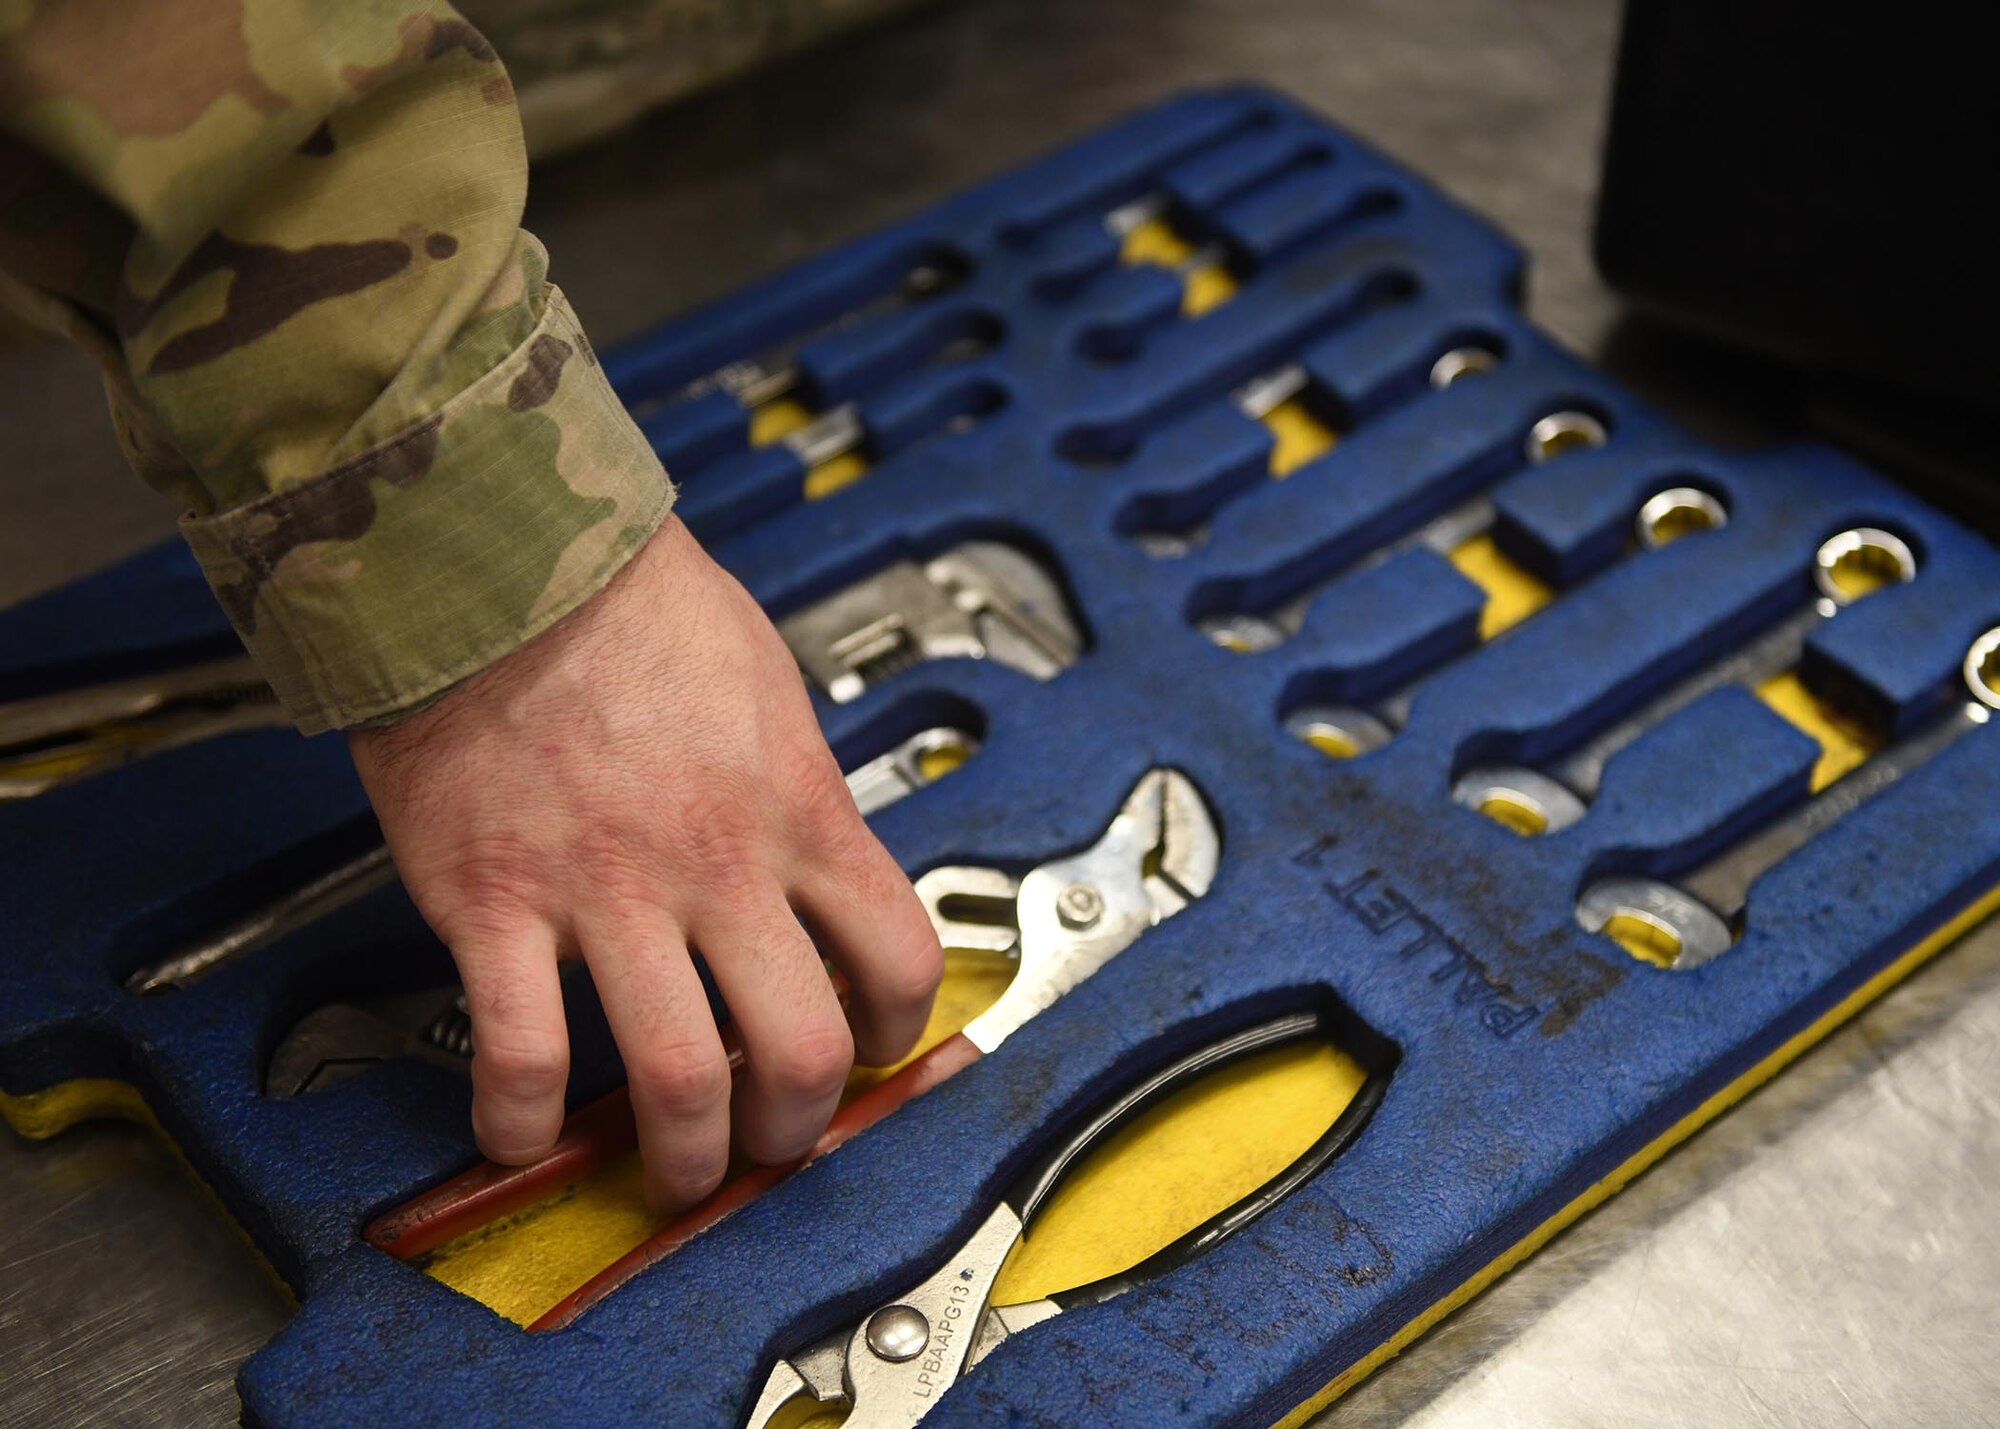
372 587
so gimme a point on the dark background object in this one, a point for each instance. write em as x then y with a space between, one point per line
1817 186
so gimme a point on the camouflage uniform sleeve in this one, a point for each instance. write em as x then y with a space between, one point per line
289 233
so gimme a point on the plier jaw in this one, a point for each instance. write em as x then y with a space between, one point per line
889 1369
1072 915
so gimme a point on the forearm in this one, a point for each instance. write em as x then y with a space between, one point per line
296 252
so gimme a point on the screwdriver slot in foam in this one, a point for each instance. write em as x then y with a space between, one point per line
1302 428
1120 342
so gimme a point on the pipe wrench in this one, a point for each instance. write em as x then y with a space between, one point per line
341 1040
1059 922
889 1368
1686 922
982 600
1534 801
52 740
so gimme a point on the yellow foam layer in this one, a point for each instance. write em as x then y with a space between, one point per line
1300 437
41 1114
1512 594
776 420
1844 743
1192 1157
835 475
1773 1063
1155 241
1206 286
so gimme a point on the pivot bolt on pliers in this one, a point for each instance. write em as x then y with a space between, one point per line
890 1368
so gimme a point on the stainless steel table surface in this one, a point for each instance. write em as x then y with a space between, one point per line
1826 1253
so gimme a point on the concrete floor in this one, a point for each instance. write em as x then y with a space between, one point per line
1819 1254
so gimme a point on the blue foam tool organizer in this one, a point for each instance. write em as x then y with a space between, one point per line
1531 1059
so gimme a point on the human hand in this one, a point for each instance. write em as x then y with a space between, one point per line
645 778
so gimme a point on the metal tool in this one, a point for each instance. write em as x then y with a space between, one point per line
889 1369
1536 801
1687 922
292 910
982 600
53 740
916 763
775 372
1348 731
1248 632
1062 920
343 1039
841 431
1264 398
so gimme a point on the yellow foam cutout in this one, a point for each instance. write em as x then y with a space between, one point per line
1332 743
776 420
1198 1153
1644 939
834 475
1844 742
1301 437
933 764
1524 819
1208 288
1512 594
1769 1066
1155 241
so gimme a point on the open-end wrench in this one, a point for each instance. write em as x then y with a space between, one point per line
1536 801
1347 731
1688 921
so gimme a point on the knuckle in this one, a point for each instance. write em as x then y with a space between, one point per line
819 793
682 1081
813 1064
523 1067
718 838
481 889
620 860
912 977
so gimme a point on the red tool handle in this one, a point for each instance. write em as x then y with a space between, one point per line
592 1135
595 1134
912 1080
